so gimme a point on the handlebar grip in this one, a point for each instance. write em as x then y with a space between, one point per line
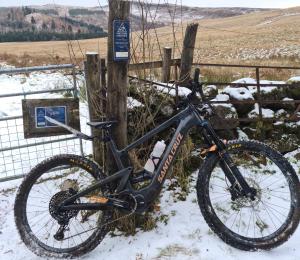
197 75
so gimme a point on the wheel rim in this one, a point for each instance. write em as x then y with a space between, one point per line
262 218
40 222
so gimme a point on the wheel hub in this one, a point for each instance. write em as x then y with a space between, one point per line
247 201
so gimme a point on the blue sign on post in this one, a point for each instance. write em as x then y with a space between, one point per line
121 30
57 113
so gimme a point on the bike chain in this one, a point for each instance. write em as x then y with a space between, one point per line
110 222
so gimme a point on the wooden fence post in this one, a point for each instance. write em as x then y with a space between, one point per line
188 52
166 68
103 72
95 101
260 120
103 83
117 79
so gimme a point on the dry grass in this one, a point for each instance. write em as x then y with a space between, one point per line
271 35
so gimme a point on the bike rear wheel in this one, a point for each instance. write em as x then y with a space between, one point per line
264 223
47 184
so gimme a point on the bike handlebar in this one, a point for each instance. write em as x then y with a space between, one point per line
196 87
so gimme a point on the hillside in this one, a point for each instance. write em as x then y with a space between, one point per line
259 35
35 24
66 22
158 15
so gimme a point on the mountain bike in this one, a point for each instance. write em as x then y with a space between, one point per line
248 193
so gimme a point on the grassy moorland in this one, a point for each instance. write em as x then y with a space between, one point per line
270 37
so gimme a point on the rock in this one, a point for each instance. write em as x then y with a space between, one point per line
293 91
270 93
250 131
245 81
267 92
227 134
224 111
260 130
294 128
267 113
286 143
282 114
242 135
281 128
289 106
210 91
240 94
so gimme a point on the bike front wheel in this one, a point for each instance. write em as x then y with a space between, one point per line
246 224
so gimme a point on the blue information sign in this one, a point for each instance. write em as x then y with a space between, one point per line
121 30
57 113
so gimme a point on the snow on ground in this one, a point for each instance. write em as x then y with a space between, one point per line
35 82
170 89
184 235
253 89
238 93
20 161
223 98
267 113
294 79
132 103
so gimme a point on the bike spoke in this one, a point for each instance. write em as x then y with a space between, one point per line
43 225
257 218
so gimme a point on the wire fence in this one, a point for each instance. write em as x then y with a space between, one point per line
17 154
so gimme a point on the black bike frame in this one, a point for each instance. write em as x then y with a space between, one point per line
185 120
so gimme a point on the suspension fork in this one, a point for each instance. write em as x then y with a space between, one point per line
230 169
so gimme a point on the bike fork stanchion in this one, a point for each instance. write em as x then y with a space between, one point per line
231 171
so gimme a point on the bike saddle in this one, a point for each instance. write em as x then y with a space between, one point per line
102 125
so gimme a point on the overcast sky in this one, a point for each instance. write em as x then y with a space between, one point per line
203 3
